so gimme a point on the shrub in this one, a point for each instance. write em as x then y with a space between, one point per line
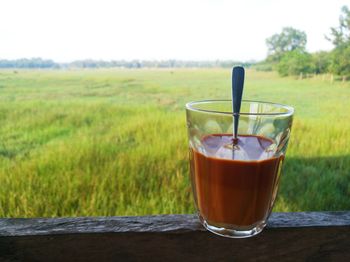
294 63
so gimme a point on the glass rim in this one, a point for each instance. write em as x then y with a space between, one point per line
289 112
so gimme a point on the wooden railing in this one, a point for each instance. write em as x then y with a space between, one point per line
309 236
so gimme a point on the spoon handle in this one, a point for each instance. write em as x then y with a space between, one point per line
237 91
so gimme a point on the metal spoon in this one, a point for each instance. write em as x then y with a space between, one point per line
237 91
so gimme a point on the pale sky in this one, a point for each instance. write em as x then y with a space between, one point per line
67 30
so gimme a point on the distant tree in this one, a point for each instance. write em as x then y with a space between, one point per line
321 61
295 62
288 40
340 61
340 37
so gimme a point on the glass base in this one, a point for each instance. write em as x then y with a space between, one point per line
233 233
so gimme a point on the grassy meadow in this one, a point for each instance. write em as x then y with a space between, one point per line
114 141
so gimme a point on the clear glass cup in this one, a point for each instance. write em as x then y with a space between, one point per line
235 184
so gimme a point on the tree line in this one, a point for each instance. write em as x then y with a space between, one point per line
90 63
287 51
28 63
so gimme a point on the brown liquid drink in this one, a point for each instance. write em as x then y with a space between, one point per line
235 188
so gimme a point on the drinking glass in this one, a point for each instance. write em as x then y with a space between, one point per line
234 183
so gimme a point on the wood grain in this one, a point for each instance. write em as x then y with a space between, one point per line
309 236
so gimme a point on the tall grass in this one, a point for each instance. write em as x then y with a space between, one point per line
113 142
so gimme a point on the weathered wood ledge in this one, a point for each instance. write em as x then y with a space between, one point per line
319 236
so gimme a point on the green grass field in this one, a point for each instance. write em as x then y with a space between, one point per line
114 142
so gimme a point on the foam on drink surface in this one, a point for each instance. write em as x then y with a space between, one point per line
247 147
